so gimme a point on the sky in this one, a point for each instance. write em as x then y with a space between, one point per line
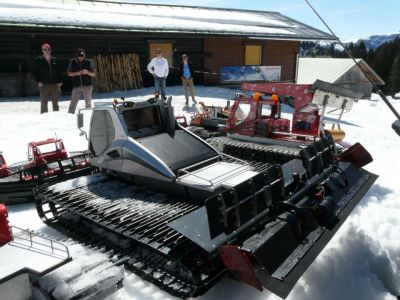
349 19
360 262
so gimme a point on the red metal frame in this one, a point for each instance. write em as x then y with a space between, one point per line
356 154
5 230
306 117
302 92
239 264
4 170
39 158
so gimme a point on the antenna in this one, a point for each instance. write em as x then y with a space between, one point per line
396 124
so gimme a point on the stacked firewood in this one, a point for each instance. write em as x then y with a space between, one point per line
117 72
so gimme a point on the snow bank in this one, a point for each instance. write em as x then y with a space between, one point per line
362 260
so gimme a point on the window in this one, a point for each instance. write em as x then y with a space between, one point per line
137 119
46 148
30 154
253 55
269 111
241 113
266 110
166 49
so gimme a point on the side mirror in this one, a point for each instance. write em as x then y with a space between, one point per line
79 120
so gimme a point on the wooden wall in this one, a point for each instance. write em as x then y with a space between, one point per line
230 52
19 47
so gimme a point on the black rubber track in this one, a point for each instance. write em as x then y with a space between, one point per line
131 220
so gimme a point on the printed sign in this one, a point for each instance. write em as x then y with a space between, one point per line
231 74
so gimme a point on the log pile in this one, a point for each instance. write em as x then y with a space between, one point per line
117 72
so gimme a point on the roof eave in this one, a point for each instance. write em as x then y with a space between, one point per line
378 80
272 36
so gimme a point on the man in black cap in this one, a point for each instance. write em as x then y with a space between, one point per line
48 77
81 70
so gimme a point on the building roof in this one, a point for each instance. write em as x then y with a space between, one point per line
330 69
139 17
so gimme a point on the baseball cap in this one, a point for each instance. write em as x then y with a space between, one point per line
80 52
47 46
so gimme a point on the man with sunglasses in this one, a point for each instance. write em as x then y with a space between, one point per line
81 70
159 68
48 77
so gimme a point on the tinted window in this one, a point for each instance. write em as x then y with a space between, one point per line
137 119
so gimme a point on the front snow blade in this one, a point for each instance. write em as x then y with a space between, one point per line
281 255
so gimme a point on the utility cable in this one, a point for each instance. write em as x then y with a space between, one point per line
357 63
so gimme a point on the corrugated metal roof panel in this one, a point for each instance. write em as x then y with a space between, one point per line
326 69
121 16
330 69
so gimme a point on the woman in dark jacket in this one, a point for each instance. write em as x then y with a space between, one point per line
187 79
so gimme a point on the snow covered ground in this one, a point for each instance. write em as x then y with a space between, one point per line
361 262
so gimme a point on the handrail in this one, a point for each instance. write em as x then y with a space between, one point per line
243 165
32 244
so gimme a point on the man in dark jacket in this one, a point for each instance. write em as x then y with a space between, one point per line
48 77
81 70
187 78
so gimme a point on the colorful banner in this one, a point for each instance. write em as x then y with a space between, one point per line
232 74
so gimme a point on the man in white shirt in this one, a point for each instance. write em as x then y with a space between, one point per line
159 68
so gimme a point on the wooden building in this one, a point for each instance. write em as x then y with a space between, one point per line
213 38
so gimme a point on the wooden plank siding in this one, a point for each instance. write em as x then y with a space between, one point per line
284 54
13 84
221 52
230 52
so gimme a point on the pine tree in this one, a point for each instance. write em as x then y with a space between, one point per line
383 61
393 84
360 50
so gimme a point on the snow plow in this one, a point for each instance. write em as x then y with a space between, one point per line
185 214
48 161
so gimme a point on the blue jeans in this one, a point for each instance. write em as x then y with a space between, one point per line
159 85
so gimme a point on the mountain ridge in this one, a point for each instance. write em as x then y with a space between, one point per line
375 40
